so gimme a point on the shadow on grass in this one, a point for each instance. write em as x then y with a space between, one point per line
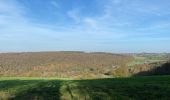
31 89
126 89
9 84
141 88
162 70
49 90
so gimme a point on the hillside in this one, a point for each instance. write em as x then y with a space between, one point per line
61 64
78 65
83 76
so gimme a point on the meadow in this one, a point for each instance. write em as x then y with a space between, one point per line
146 59
133 88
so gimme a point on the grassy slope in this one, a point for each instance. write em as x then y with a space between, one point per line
136 88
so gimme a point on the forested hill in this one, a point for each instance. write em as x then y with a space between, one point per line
81 65
60 64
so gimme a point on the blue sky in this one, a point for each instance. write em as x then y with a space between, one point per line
85 25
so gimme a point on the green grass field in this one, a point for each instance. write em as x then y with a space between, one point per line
135 88
147 59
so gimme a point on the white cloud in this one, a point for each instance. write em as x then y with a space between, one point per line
55 4
74 14
15 26
8 7
90 22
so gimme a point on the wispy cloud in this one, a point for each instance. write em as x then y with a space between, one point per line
90 22
118 21
55 4
74 15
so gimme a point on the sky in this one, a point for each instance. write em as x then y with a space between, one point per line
118 26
